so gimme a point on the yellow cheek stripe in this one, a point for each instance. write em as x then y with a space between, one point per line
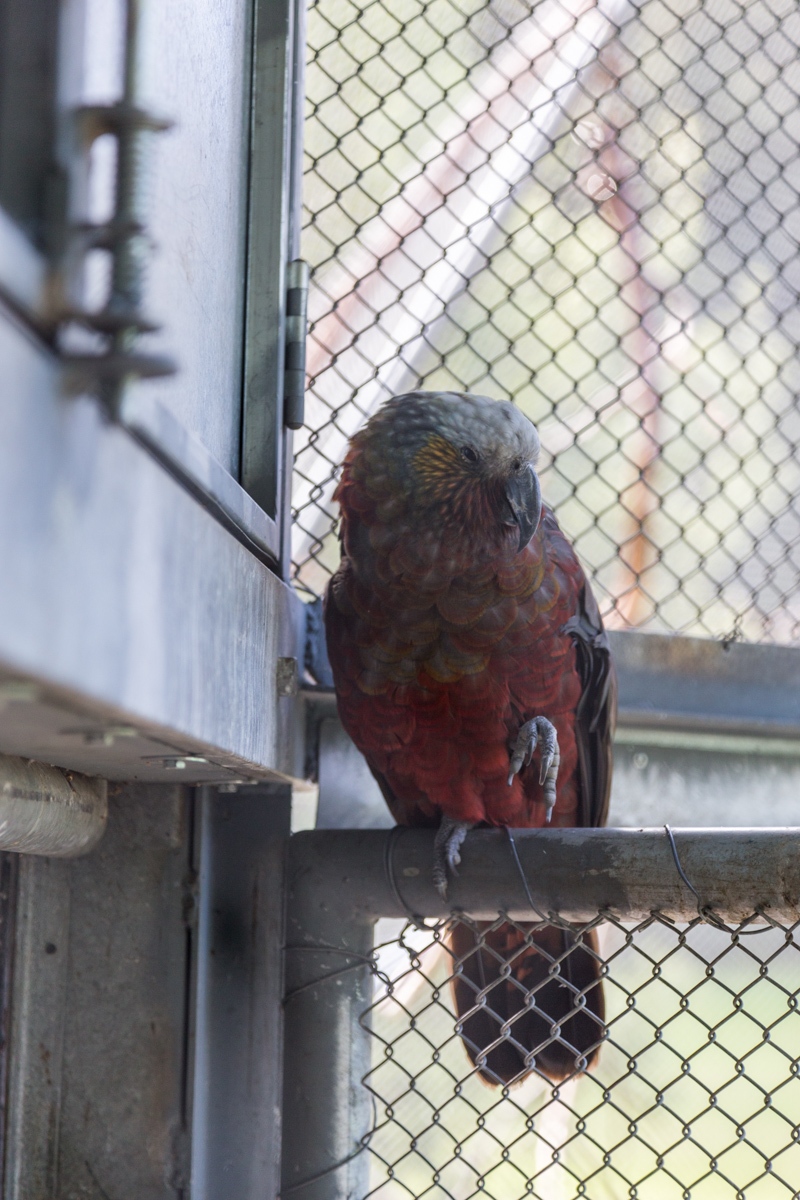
435 464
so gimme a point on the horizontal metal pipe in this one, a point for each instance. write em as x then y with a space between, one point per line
346 876
47 811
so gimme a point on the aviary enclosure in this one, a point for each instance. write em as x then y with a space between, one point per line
590 209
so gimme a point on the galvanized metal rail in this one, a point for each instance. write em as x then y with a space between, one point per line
341 881
343 877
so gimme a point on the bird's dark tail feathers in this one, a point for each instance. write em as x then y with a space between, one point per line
545 1013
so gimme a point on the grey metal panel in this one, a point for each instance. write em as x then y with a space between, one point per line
698 683
124 1131
683 786
41 956
55 725
114 579
236 1145
182 453
196 70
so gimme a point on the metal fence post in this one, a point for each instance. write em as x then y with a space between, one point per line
326 1051
236 1120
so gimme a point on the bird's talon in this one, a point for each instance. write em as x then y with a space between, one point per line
446 846
532 733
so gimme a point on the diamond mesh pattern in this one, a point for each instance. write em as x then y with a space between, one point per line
696 1093
591 209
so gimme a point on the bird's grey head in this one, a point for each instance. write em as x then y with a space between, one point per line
461 455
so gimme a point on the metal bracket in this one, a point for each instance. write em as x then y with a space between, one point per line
315 654
120 320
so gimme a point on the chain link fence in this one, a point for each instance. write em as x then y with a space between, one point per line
591 209
696 1093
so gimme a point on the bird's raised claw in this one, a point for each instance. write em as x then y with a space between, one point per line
537 730
446 858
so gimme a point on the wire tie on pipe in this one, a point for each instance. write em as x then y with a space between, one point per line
706 913
524 879
680 869
362 960
388 865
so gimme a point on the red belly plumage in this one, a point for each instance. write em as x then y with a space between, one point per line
434 701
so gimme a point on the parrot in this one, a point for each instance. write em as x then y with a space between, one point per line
464 639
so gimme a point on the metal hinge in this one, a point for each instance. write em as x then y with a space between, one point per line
294 376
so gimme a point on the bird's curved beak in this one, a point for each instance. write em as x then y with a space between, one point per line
524 499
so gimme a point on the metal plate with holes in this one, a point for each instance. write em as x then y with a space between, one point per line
42 723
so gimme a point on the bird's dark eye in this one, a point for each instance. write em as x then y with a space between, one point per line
515 466
469 454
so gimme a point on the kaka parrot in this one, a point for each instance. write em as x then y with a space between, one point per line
463 634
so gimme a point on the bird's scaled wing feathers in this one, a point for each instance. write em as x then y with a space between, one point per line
596 714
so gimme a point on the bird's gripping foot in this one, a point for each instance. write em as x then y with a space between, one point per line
446 846
538 731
